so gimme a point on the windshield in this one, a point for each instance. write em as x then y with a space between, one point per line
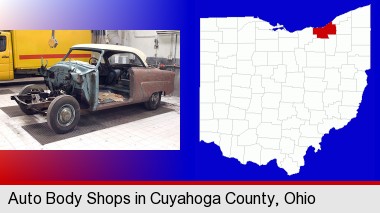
88 56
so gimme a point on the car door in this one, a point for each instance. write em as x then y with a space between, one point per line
4 56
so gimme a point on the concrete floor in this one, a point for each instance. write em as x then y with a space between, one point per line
157 132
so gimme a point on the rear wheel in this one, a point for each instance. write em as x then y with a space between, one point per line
63 114
154 101
28 89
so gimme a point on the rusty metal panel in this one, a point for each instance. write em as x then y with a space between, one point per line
146 81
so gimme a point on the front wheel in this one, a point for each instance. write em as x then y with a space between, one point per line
154 101
63 114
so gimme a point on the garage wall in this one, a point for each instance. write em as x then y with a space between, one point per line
144 40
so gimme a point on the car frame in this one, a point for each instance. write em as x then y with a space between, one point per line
76 85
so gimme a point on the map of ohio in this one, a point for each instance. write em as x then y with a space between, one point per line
267 93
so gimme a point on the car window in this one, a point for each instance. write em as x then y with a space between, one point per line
125 58
3 43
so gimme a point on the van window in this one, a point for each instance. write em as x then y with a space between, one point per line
3 43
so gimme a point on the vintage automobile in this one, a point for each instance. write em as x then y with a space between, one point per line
114 76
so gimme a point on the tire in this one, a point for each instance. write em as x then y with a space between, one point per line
25 90
63 114
154 101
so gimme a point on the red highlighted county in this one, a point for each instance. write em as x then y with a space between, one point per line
324 32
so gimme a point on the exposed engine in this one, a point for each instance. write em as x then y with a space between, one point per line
65 77
60 80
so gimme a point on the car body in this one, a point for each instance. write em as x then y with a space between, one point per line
101 83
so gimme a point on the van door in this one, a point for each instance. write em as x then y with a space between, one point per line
5 56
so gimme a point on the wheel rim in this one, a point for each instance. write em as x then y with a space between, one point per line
155 98
66 115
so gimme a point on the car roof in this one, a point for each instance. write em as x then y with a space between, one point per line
112 47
